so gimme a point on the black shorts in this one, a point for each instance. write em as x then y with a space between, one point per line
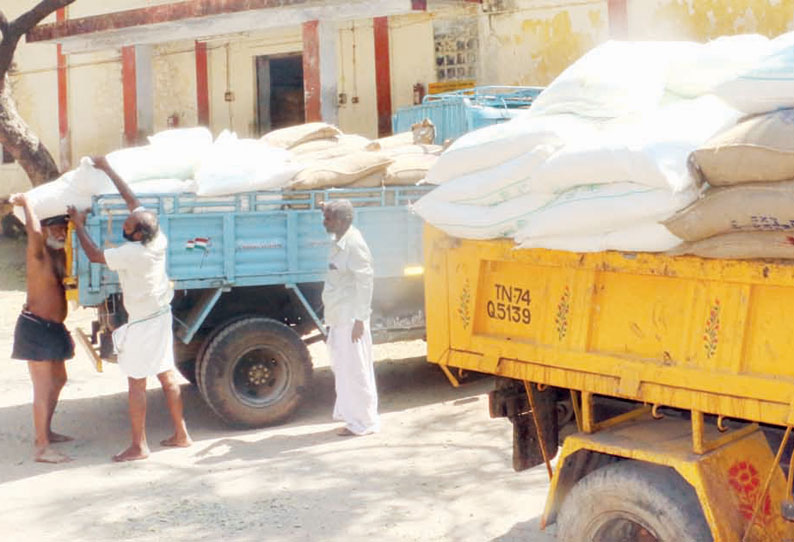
37 339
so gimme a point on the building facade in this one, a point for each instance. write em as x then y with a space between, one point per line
100 75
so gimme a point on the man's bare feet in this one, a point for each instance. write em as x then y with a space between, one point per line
48 455
345 432
177 441
57 437
133 453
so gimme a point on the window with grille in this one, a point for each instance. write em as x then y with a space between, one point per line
457 46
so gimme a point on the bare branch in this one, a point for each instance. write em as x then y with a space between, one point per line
15 29
3 24
31 18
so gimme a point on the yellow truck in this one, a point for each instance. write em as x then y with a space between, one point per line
679 371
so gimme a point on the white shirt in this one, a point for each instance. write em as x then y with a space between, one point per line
347 293
141 270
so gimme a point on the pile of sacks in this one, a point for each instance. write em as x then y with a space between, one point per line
602 159
187 160
747 211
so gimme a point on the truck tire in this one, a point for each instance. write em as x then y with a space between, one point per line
185 356
254 372
631 501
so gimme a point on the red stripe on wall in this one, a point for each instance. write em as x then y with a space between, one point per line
130 96
618 19
382 74
63 101
311 71
202 85
419 5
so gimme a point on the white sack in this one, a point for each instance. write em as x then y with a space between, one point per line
706 65
597 209
649 149
494 145
50 199
645 237
171 154
496 184
476 222
614 79
767 86
235 165
161 186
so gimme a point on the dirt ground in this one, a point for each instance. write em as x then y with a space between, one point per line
439 471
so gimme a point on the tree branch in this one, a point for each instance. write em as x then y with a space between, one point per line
3 24
15 29
31 18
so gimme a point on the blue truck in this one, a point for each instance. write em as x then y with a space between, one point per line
247 271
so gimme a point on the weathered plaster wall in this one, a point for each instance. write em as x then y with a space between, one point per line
411 45
232 66
95 103
356 50
706 19
174 74
533 43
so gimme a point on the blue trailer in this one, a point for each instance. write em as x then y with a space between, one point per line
247 272
458 112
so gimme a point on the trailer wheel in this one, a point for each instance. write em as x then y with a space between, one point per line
254 372
185 356
630 501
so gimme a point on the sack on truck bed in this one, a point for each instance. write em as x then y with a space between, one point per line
235 165
596 209
286 138
742 246
642 237
768 85
341 171
409 169
758 149
753 207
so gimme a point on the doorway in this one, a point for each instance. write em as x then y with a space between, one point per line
280 100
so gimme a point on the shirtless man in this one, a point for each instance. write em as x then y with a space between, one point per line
40 338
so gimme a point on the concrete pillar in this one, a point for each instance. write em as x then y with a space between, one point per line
138 92
618 19
380 27
320 71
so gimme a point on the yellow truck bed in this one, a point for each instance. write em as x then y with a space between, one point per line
711 336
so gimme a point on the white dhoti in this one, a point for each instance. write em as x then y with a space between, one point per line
354 377
145 347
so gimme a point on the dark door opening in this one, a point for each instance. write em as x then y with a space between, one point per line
280 100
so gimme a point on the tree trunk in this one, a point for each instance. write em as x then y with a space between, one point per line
18 139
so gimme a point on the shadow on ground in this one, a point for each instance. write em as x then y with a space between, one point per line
403 384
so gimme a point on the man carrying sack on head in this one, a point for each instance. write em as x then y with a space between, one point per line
40 338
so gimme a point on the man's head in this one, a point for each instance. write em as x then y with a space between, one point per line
54 231
337 216
140 226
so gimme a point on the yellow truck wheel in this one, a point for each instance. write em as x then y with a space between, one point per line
631 501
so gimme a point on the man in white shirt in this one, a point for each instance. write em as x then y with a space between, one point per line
347 297
144 344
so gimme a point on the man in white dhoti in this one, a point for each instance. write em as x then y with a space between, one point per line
145 343
347 296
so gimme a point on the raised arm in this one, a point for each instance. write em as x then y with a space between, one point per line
92 251
32 225
101 163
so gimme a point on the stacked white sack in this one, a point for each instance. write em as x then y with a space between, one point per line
166 165
601 157
234 165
